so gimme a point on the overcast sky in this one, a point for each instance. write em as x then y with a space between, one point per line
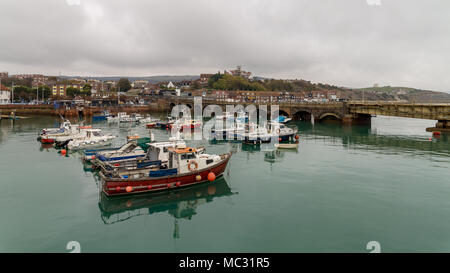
353 43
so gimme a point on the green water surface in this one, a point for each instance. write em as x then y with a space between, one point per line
344 187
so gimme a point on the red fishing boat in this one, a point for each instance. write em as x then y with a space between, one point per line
185 167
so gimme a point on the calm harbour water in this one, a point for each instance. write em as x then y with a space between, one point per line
344 187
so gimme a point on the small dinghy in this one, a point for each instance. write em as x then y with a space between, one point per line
286 145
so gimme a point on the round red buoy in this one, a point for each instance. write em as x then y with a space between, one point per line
149 187
178 184
116 165
117 188
279 139
211 176
129 189
297 137
63 152
436 134
198 178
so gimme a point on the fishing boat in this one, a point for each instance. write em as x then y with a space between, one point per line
103 116
110 154
256 134
92 139
148 119
128 151
48 136
152 124
61 141
185 167
283 132
63 125
154 151
186 124
165 124
133 118
230 130
117 118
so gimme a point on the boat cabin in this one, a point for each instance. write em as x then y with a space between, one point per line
160 150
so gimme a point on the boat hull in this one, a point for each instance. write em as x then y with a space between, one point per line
118 187
99 118
47 140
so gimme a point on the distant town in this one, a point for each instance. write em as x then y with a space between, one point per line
233 85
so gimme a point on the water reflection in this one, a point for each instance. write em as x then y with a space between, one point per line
180 204
365 138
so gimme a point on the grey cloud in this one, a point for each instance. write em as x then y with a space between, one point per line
349 43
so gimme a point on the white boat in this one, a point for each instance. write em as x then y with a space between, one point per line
186 124
229 130
68 129
64 125
256 134
128 151
130 118
284 133
82 133
92 139
148 119
115 119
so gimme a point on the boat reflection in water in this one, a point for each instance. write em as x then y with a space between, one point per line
181 203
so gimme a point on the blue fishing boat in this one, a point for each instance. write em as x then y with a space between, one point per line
103 116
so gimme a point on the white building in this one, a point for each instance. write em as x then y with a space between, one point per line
5 97
170 85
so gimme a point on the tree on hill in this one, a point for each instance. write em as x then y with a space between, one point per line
229 82
46 90
72 91
87 89
124 85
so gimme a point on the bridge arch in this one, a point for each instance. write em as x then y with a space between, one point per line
281 112
302 115
329 117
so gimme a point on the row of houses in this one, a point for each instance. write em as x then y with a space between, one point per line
269 96
5 95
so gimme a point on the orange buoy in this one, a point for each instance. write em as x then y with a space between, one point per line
129 189
63 152
297 137
211 176
198 178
